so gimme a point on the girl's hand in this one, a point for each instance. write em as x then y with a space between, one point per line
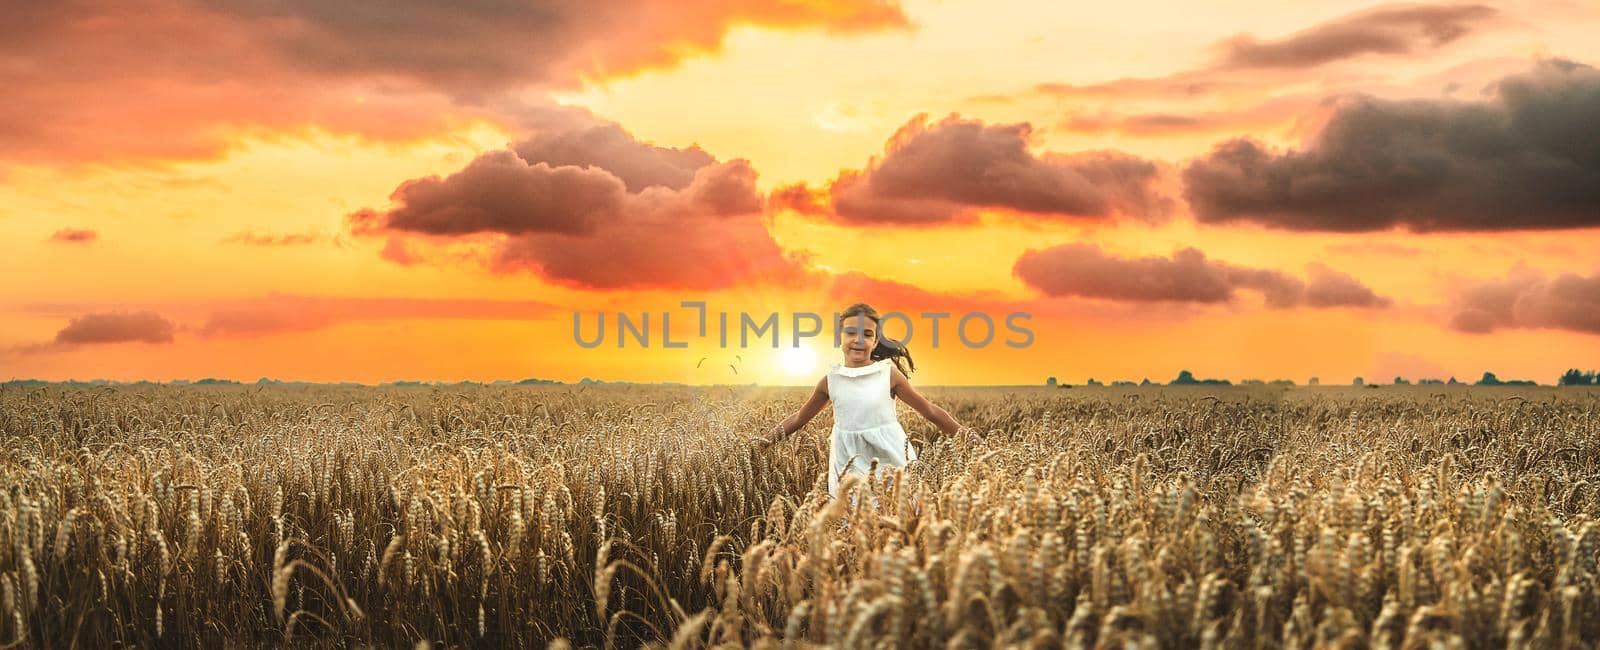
772 437
972 435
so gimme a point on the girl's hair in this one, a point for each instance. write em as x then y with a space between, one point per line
885 348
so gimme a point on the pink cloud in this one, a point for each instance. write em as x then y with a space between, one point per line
74 236
154 79
116 327
1526 298
1085 271
943 172
551 205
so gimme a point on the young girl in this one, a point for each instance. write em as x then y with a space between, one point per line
863 389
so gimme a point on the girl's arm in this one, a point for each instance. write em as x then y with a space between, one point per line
900 386
809 410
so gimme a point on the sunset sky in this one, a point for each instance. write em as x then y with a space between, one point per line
353 191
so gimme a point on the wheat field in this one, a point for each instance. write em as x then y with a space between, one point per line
606 516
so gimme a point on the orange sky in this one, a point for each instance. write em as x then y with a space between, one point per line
1242 189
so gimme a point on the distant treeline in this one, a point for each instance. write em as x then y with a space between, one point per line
1575 377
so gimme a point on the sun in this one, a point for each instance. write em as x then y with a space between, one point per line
798 360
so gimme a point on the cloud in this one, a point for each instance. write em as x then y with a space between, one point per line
944 172
74 236
1400 29
1245 63
473 47
1330 288
607 146
1269 112
91 80
248 238
563 213
500 192
280 313
1187 84
710 235
116 327
1526 298
839 290
1085 271
1529 159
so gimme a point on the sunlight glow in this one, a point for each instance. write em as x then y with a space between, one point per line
798 360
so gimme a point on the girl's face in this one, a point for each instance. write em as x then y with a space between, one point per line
858 335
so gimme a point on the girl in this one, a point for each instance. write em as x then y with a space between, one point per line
863 389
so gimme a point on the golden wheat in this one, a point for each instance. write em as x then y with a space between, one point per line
611 516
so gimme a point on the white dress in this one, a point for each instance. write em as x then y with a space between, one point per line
864 422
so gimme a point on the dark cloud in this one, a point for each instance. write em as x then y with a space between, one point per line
1529 159
91 80
74 236
1278 289
576 222
470 47
1084 270
116 327
500 192
710 235
609 147
1400 29
1245 63
569 177
941 173
1529 299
